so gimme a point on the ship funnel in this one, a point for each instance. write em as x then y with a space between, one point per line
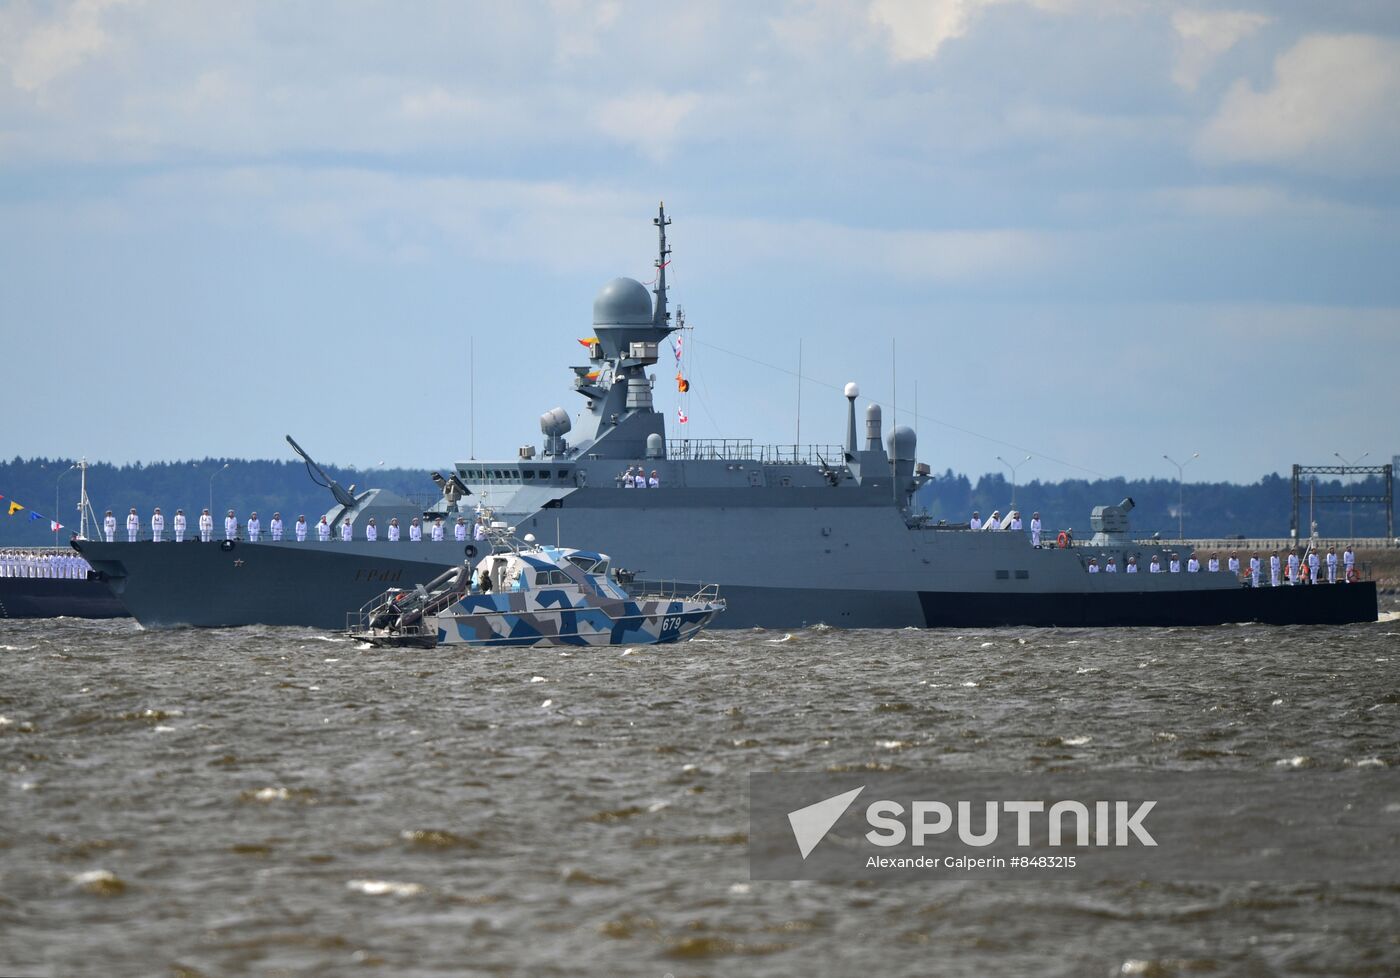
872 428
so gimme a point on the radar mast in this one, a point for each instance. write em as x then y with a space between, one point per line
662 318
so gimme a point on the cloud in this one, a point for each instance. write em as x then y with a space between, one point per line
1331 106
47 51
648 121
917 29
1204 35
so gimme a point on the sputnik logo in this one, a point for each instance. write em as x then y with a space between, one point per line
811 824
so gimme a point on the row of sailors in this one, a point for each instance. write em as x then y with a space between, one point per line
275 528
39 563
1012 521
1292 569
636 478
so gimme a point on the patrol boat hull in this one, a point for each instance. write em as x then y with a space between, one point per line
22 597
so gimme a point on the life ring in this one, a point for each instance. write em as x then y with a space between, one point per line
1062 541
226 545
471 550
1353 576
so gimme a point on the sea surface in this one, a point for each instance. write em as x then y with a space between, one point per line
262 801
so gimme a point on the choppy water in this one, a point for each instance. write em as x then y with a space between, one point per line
280 801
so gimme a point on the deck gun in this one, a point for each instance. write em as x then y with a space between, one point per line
452 488
342 496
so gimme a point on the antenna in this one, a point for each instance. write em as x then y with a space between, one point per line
894 419
661 318
799 395
471 386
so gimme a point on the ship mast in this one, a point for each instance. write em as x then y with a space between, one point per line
662 318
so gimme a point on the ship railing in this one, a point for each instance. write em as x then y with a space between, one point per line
670 590
801 454
697 449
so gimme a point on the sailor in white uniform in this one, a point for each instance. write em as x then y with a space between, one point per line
1132 565
1234 563
393 529
323 530
415 531
627 482
180 526
1348 563
1314 561
1111 567
157 525
437 530
1175 565
1015 520
976 522
995 522
479 530
1275 568
1292 568
275 527
1155 567
133 526
653 482
254 528
206 527
109 526
300 528
1093 565
1331 565
459 532
1035 530
1255 569
347 531
371 530
230 526
1193 565
1213 565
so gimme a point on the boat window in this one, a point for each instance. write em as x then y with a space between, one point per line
498 474
563 473
544 473
541 577
602 567
584 564
529 473
559 577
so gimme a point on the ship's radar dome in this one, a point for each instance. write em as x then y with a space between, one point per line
622 302
852 390
872 412
902 442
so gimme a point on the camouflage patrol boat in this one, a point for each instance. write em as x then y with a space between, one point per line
533 597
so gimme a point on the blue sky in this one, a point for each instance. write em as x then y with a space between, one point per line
1094 231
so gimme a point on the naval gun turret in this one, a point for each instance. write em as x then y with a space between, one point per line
1110 525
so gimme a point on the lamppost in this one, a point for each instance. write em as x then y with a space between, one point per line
55 501
1013 469
1351 504
1181 493
211 488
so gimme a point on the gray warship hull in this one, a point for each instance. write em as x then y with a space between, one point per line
792 536
56 598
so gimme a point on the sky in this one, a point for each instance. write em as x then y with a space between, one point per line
1095 232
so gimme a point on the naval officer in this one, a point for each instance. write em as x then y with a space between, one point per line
275 527
1132 565
1175 565
133 526
393 529
1015 519
109 526
1155 567
1292 567
157 525
1214 564
1331 565
976 522
653 482
1111 567
641 478
371 530
206 527
1348 563
180 526
995 522
437 530
459 532
479 530
1274 569
1093 565
1193 565
230 526
627 482
415 531
323 530
1035 530
347 532
254 528
300 528
1256 567
1313 562
1234 563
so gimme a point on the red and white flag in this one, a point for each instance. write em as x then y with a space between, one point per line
55 526
681 414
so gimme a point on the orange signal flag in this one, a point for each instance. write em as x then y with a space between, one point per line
588 342
591 375
683 385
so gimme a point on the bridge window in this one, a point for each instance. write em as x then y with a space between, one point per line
528 474
1003 575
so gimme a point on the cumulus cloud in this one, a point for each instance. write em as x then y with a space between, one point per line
1204 35
40 52
1331 105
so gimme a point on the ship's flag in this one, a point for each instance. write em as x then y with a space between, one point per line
678 347
15 507
681 414
588 342
36 516
55 526
591 375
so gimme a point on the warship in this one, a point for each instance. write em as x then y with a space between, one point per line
791 536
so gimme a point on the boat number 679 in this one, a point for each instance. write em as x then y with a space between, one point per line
671 624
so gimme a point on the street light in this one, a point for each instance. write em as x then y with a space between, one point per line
1351 503
1181 493
1013 469
55 501
211 489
